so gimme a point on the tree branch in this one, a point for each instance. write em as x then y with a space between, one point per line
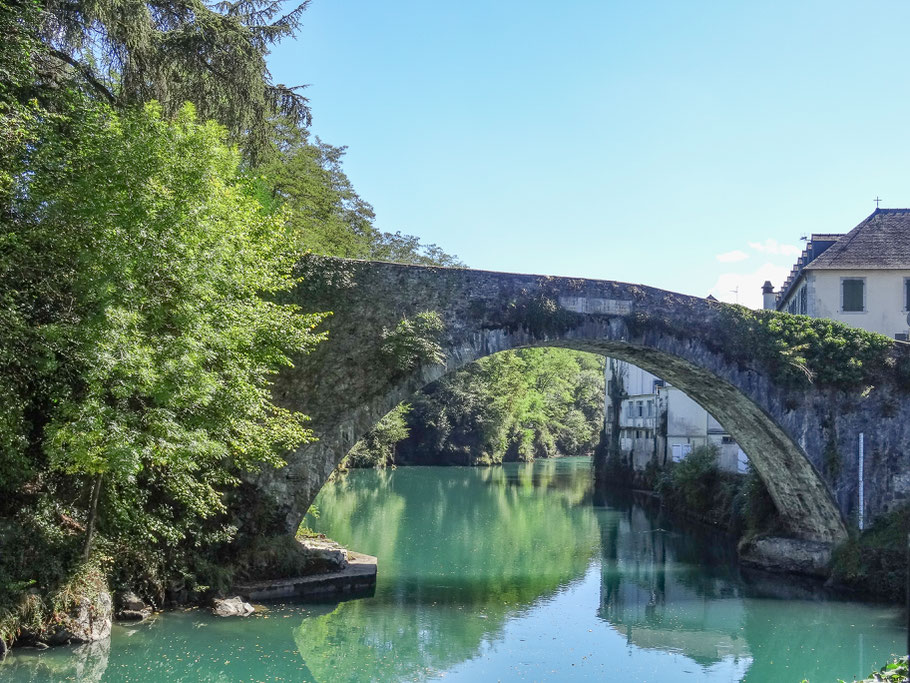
86 74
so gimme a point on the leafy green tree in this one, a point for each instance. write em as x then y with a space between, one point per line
377 449
139 276
325 213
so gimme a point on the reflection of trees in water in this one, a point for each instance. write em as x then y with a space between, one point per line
363 642
460 552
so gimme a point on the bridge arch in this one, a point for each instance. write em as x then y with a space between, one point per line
347 384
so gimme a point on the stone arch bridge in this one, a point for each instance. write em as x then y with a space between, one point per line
791 435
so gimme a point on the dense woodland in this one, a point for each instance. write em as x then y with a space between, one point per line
518 405
156 190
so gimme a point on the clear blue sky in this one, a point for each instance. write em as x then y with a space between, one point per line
636 141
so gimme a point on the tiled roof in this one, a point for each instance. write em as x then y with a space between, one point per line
881 241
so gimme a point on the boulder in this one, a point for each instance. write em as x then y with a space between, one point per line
232 607
89 620
787 555
323 552
132 607
130 601
134 614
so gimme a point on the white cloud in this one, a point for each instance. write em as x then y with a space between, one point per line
770 246
745 288
732 256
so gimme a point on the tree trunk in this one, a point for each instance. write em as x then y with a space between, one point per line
92 515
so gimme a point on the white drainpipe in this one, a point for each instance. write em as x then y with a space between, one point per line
861 491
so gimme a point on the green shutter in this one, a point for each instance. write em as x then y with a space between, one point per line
853 295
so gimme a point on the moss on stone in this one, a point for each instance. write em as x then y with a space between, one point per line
540 315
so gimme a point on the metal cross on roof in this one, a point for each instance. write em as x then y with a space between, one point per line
876 200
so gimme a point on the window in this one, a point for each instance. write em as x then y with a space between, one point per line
680 451
853 295
629 409
799 303
641 410
907 293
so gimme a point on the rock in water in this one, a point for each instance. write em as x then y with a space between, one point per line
132 608
87 622
232 607
130 601
787 555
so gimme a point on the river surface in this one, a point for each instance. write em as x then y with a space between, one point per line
512 573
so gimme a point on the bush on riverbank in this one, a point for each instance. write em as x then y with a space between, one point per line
896 671
699 488
139 345
874 562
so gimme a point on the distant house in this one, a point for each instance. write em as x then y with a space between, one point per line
659 421
861 278
639 417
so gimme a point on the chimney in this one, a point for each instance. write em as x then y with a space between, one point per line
769 298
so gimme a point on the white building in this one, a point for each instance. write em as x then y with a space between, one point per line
660 421
639 418
861 278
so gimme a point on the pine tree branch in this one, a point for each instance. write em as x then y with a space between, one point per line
86 74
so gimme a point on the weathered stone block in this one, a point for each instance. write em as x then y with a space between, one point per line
790 555
324 552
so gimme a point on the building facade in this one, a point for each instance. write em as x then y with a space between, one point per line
660 423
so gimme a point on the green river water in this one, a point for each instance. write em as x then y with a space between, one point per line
512 573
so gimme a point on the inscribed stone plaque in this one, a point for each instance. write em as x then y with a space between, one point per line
588 304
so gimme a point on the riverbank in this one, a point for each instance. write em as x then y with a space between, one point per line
327 570
897 671
871 565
